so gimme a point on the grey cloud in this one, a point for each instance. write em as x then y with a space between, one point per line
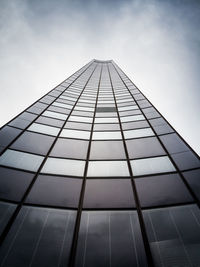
155 42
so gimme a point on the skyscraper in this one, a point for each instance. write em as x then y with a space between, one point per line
92 175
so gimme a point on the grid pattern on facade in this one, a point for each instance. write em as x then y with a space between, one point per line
93 175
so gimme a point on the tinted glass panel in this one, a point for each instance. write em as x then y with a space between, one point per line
110 238
108 168
8 134
146 147
109 193
21 160
50 121
55 191
162 190
70 148
6 211
40 128
193 179
106 135
152 165
132 118
44 240
13 183
134 125
174 235
186 160
107 150
33 142
55 115
78 126
75 134
64 166
173 143
106 127
138 133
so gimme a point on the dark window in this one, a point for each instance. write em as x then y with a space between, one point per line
8 134
186 160
174 235
13 183
108 193
107 150
173 143
70 148
58 109
144 147
193 179
55 191
6 211
110 237
106 109
34 143
44 240
162 190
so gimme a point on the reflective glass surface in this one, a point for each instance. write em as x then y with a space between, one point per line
110 238
152 165
64 166
21 160
174 235
108 168
39 237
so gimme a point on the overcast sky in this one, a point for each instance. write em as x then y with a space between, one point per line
156 43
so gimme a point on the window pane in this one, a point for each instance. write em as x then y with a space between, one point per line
50 121
106 127
55 115
106 135
138 133
174 235
152 165
134 125
173 143
14 183
40 128
55 191
80 119
78 126
64 166
21 160
146 147
110 237
75 134
193 179
162 190
107 150
108 168
186 160
132 118
70 148
8 134
108 193
34 143
39 237
6 211
106 120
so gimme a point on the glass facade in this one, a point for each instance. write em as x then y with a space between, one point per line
93 175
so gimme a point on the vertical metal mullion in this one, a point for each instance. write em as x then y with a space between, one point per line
80 206
137 201
19 206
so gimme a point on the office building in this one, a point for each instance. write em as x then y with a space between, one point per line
93 175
